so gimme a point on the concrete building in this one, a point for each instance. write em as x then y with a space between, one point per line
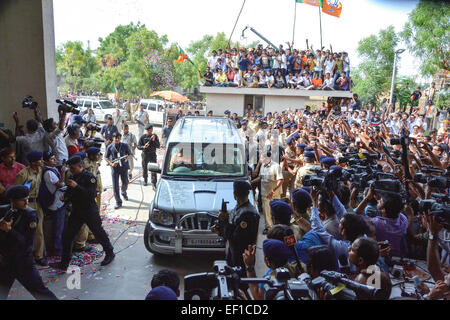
27 58
236 100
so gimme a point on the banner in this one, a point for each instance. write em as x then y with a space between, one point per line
332 7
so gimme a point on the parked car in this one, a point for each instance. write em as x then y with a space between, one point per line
156 110
102 108
191 188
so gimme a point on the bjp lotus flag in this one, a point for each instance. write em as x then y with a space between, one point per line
332 7
315 3
183 56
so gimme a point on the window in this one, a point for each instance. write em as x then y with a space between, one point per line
80 103
160 108
204 159
88 104
106 104
152 107
96 105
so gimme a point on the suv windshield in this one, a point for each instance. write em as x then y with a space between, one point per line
204 160
106 105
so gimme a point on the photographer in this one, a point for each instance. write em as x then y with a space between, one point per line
391 225
71 140
351 226
55 136
49 198
276 255
18 225
364 254
35 138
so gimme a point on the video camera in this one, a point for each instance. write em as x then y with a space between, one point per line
224 283
92 142
28 103
339 287
67 106
438 207
94 126
440 182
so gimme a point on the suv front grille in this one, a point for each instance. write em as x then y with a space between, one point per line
196 221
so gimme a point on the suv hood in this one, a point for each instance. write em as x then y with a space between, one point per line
194 196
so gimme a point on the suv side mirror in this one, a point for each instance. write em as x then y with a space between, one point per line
154 167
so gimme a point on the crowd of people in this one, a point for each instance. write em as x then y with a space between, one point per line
279 68
358 188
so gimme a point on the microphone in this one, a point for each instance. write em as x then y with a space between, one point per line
290 241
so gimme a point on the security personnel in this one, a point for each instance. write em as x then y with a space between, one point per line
148 143
119 168
18 224
32 177
81 193
240 226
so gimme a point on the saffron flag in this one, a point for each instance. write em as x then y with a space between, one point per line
316 3
116 91
183 56
332 7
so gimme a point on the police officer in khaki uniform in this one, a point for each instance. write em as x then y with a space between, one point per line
309 158
32 176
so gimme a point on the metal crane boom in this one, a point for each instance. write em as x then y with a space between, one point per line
259 35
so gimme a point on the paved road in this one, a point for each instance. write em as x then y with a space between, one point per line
129 276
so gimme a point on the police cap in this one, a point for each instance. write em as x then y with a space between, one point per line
17 192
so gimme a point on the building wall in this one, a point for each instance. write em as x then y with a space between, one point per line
235 103
279 103
27 58
218 103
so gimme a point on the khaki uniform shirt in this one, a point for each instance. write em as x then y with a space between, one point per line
304 171
28 175
270 174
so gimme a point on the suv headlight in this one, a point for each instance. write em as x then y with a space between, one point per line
162 217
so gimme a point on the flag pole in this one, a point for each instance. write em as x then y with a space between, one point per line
295 19
320 19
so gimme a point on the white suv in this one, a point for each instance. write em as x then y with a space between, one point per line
102 108
155 109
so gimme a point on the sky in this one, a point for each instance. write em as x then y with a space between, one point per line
186 21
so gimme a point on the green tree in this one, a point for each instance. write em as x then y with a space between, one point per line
74 63
427 36
404 86
372 78
115 43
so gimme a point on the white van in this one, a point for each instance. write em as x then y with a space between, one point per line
155 109
102 108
